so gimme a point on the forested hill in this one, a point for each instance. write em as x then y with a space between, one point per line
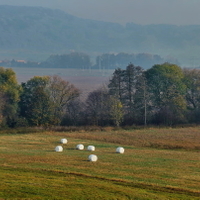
34 33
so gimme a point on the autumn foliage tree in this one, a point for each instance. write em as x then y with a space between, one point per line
44 100
116 110
62 93
10 96
163 94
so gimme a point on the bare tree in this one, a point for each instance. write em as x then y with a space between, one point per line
97 107
61 94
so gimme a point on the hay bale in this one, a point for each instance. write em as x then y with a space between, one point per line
91 148
80 146
120 150
59 149
63 141
92 158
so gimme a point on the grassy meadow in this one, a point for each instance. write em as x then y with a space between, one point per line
157 164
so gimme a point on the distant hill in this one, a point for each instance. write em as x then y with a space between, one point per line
34 33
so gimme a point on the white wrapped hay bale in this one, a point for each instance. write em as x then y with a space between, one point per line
80 147
92 158
120 150
59 149
63 141
91 148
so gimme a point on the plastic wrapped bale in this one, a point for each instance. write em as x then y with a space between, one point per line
63 141
120 150
80 147
92 158
91 148
59 149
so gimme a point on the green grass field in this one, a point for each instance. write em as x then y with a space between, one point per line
157 164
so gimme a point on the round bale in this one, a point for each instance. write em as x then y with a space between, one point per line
59 149
120 150
80 147
92 158
63 141
91 148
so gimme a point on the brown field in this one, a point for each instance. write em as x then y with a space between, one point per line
162 138
85 80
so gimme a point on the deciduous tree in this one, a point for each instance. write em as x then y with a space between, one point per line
116 110
192 82
35 104
98 107
61 94
44 99
10 92
167 89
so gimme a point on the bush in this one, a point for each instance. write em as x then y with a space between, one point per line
21 122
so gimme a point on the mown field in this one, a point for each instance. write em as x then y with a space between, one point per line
157 164
85 80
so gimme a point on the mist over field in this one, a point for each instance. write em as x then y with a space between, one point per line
178 12
35 33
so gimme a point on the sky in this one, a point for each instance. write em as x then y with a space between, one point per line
178 12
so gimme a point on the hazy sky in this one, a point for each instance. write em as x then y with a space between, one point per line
179 12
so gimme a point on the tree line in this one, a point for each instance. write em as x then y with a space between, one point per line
78 60
164 94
